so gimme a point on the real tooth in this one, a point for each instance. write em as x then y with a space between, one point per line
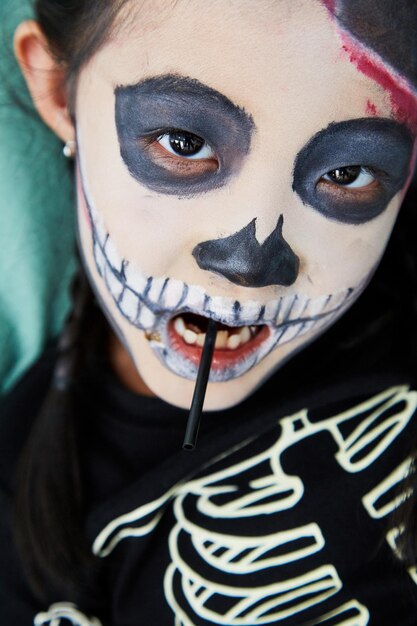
233 342
180 326
190 337
221 339
245 334
201 337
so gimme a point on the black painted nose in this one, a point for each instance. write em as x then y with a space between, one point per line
244 261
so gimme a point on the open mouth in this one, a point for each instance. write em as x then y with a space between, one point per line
187 334
238 347
174 314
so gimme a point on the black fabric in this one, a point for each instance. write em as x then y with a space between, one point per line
266 523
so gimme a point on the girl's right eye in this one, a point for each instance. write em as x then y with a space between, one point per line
185 144
182 153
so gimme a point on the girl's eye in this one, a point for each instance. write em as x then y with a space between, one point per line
350 177
184 144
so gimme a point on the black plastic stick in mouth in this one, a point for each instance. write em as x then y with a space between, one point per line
193 422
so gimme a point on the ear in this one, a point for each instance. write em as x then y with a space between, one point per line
45 78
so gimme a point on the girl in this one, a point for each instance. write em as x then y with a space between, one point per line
244 167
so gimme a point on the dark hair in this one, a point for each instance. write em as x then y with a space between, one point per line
49 494
49 502
75 31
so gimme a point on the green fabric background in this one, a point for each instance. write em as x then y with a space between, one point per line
37 236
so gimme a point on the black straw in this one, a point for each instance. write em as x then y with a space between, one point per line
193 422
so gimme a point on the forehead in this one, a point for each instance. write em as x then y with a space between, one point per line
281 60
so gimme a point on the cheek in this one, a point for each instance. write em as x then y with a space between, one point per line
335 256
144 229
154 233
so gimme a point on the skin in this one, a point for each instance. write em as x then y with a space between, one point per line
288 89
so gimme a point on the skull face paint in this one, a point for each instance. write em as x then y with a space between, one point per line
249 330
178 150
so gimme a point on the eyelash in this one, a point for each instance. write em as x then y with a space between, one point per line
181 136
357 171
165 156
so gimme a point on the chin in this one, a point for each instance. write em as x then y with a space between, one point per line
178 390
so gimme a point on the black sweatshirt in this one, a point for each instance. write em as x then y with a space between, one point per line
280 516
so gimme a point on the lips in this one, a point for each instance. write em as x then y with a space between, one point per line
173 314
187 334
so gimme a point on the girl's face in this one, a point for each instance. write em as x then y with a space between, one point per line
233 164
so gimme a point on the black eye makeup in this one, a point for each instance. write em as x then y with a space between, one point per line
351 170
180 137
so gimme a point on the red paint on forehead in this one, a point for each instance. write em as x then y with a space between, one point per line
371 109
403 99
329 4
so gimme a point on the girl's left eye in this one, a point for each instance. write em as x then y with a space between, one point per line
350 177
185 144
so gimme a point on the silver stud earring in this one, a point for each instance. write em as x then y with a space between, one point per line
70 149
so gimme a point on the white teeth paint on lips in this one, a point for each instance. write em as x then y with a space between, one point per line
145 300
151 303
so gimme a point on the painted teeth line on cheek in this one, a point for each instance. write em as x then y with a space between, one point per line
149 303
145 300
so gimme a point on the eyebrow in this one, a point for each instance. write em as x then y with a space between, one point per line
174 93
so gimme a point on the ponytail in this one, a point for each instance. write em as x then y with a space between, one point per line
49 504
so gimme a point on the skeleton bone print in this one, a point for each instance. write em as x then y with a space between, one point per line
235 557
64 613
